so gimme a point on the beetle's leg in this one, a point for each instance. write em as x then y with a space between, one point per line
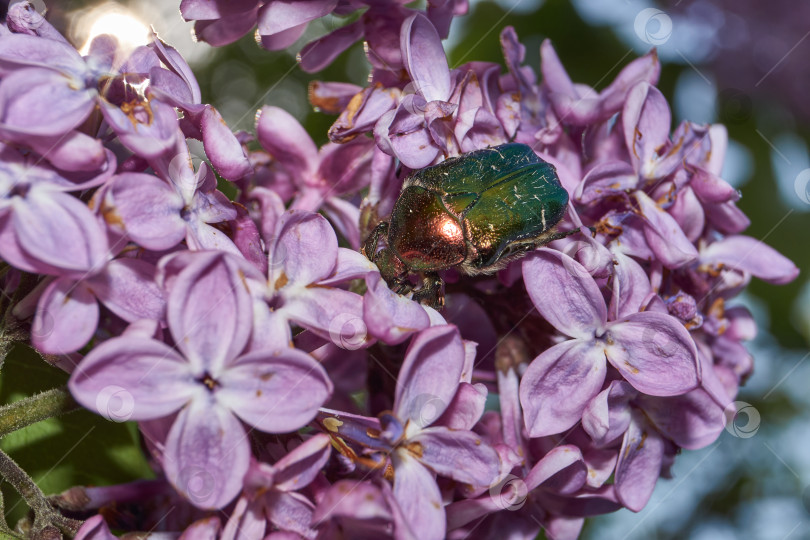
432 291
561 235
369 248
402 287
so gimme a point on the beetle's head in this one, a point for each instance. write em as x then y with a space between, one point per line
392 270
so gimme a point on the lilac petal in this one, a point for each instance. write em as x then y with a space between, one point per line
271 208
300 467
224 31
742 325
644 69
332 97
606 179
127 288
247 520
558 385
73 151
429 375
390 317
419 498
602 500
511 418
193 10
608 414
289 511
25 50
564 293
300 236
209 312
12 251
726 217
639 465
42 102
222 148
211 206
630 286
646 120
410 114
66 318
466 408
563 467
591 254
333 314
277 392
346 166
246 237
383 24
60 230
350 265
692 421
752 256
203 529
479 129
271 329
382 132
415 149
283 39
25 19
711 188
460 513
286 140
207 454
554 74
563 528
281 15
664 236
148 209
363 110
424 58
601 464
95 528
82 180
689 213
472 319
353 499
148 134
132 378
318 54
173 60
457 454
345 216
655 353
142 61
203 237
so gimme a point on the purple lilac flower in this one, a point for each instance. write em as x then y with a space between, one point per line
561 381
280 23
208 380
414 436
271 491
321 178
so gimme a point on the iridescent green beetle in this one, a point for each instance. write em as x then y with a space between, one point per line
475 212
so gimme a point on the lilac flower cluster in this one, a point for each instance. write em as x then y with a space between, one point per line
274 376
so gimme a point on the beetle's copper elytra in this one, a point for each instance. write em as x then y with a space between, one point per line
475 212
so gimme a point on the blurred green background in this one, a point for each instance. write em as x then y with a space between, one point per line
743 64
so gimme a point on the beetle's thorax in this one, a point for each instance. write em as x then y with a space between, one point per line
424 233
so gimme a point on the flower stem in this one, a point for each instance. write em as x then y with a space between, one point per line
48 404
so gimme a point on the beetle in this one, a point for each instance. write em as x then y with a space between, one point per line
476 213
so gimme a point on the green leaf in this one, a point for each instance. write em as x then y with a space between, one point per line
80 448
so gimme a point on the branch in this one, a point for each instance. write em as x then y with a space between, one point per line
47 520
